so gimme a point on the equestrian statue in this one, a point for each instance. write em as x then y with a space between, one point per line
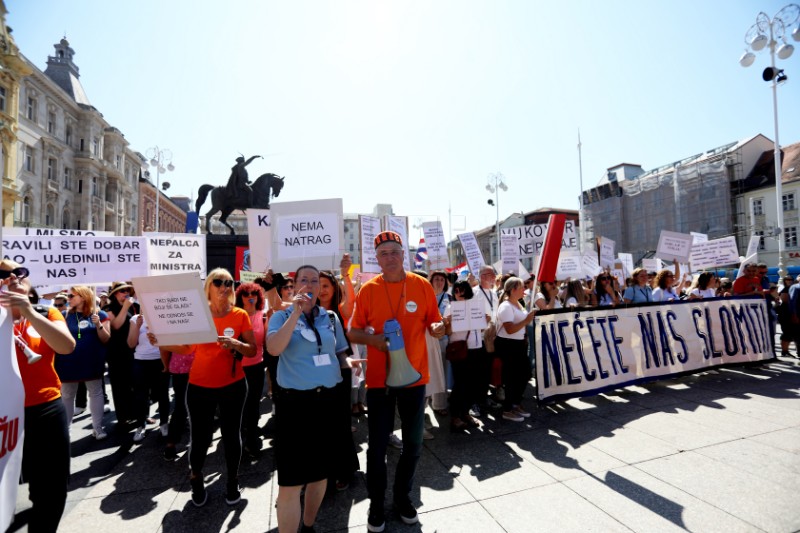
239 193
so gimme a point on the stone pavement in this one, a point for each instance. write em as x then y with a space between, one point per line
709 452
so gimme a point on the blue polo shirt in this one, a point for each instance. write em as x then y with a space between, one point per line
299 364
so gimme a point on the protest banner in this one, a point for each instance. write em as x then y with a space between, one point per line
472 252
176 308
606 247
79 259
368 229
309 232
12 420
673 245
714 253
467 315
509 253
627 263
586 353
399 225
437 246
530 238
52 232
259 233
175 252
570 265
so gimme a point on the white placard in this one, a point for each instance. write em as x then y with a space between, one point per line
620 275
570 265
752 247
509 253
715 253
171 253
12 413
627 263
78 260
467 315
436 244
369 228
18 232
259 233
652 264
591 267
176 309
248 276
473 252
399 225
698 237
309 232
530 238
673 245
607 252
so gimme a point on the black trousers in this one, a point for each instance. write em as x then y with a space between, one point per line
254 374
120 373
177 421
149 379
342 436
516 369
468 382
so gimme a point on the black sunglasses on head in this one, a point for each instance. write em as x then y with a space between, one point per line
20 272
220 282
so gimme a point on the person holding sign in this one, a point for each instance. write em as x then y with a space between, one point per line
640 291
250 297
45 454
665 284
512 319
311 348
395 298
120 309
217 380
150 379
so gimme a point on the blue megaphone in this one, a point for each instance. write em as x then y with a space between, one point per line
401 373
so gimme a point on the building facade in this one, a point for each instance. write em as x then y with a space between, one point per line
171 218
74 170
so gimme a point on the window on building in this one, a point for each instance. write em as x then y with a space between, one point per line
51 123
94 222
65 218
52 168
82 147
2 99
790 237
352 247
118 161
758 206
29 158
68 178
26 210
788 202
761 244
30 110
95 187
68 135
95 147
49 215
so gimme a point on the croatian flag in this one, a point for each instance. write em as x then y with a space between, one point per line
421 255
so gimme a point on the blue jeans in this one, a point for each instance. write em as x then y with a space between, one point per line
410 404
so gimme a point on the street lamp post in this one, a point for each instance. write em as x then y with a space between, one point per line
158 158
493 186
770 33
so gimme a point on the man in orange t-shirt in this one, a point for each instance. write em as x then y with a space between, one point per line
409 299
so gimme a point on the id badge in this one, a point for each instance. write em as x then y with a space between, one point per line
322 359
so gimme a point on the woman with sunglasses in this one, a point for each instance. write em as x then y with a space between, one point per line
311 349
250 297
120 310
90 328
217 379
45 454
604 293
664 290
547 297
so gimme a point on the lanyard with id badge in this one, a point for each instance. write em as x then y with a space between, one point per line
311 335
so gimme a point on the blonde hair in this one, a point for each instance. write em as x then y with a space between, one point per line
511 283
219 273
8 264
87 295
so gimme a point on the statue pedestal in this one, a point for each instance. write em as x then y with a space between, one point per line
221 251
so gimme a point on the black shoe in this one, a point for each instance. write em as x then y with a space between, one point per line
406 511
233 494
199 494
376 521
306 529
170 454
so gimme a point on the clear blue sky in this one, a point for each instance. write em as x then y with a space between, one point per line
415 103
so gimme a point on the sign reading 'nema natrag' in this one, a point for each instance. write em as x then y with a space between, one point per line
585 352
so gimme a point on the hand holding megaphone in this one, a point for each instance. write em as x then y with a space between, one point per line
30 354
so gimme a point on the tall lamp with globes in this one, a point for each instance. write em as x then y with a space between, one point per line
161 160
493 186
772 33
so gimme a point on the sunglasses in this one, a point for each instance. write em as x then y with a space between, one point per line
124 291
220 282
59 305
20 272
247 294
70 296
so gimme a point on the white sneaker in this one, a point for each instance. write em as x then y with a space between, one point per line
106 408
138 435
99 435
164 430
395 442
512 416
78 411
521 412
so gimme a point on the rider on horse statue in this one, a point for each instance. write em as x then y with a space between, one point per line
238 187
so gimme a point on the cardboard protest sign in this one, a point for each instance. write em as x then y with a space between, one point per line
309 232
652 264
78 260
259 231
436 244
509 253
473 252
176 309
606 247
570 265
399 225
467 315
175 252
368 229
530 238
673 245
715 253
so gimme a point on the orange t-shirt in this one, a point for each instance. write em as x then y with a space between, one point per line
413 304
213 366
40 379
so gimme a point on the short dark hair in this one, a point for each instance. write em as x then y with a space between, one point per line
441 274
464 287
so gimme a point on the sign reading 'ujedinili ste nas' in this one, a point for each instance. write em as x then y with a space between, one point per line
585 352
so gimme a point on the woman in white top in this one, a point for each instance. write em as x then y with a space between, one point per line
148 375
705 286
665 287
510 344
576 294
547 298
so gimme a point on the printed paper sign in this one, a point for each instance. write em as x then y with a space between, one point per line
473 252
176 309
247 276
570 265
673 245
309 232
752 247
591 267
652 264
509 252
530 238
399 225
627 263
436 244
369 228
698 237
259 230
606 252
716 253
467 315
171 253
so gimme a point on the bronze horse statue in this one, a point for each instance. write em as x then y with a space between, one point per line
264 187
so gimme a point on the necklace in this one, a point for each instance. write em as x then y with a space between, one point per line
389 298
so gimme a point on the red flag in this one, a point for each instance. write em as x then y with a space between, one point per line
548 263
